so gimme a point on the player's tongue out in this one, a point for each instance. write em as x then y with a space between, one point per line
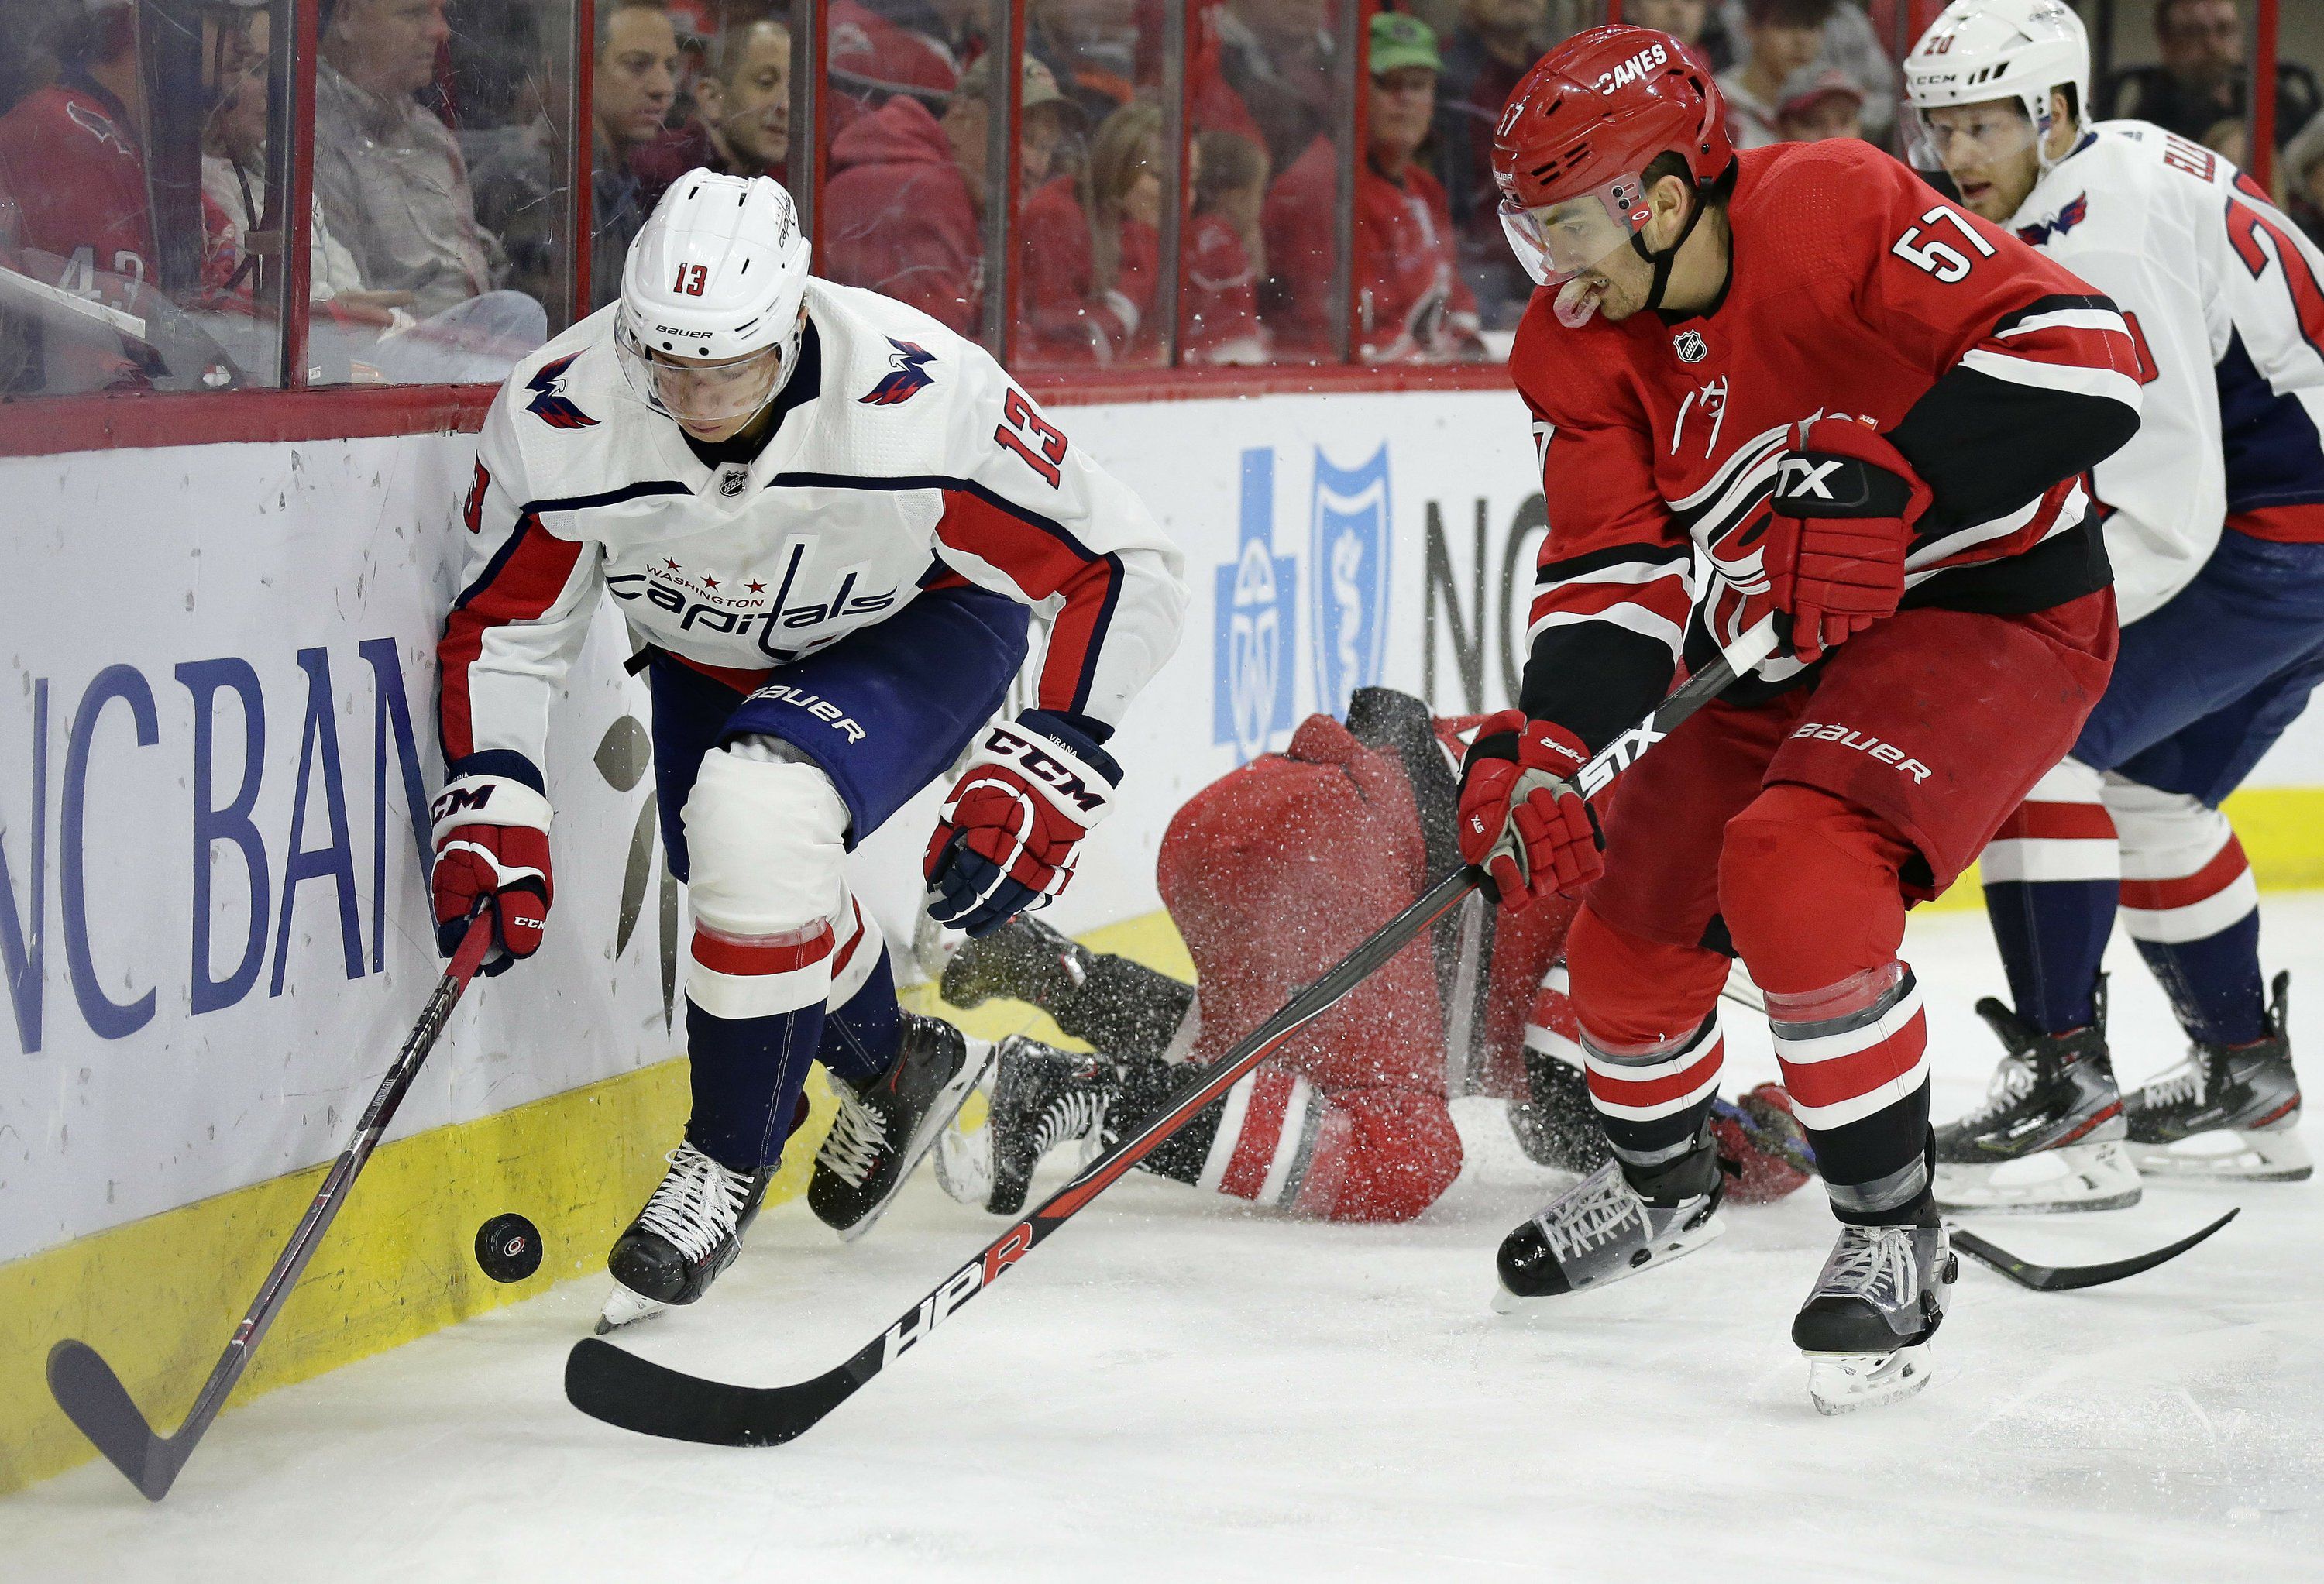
1577 301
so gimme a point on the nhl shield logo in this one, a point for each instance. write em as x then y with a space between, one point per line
1688 345
1348 577
732 482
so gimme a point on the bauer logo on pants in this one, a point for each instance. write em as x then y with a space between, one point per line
1349 577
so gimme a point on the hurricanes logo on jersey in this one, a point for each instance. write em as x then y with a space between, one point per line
908 375
549 403
2057 224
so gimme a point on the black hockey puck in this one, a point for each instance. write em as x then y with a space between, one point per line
508 1247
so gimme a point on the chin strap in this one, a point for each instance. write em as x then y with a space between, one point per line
1662 261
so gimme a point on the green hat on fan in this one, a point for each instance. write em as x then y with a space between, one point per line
1399 41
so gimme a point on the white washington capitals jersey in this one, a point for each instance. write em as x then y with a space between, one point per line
904 459
2221 292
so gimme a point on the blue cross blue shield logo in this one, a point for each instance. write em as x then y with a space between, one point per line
1257 623
1349 577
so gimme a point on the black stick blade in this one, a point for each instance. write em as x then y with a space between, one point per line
621 1388
94 1399
2069 1279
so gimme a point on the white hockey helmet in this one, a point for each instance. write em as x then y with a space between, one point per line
713 299
1978 50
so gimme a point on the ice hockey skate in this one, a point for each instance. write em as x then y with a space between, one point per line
1042 1099
2050 1136
689 1231
2226 1113
1602 1230
1023 958
1866 1327
886 1123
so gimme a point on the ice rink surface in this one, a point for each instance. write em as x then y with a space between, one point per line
1169 1391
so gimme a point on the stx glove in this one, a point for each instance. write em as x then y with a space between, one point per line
1011 832
1845 504
1520 817
491 851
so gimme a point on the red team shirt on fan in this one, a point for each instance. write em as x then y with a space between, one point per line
1855 290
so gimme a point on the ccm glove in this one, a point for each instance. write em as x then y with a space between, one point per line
1845 504
1521 817
1011 832
492 853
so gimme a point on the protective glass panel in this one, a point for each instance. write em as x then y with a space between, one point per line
442 243
908 111
1805 70
1094 182
1263 70
2187 66
141 220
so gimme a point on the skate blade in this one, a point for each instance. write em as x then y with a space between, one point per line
1673 1245
626 1308
949 1100
2078 1177
1841 1383
2225 1156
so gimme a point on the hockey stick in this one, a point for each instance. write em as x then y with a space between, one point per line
609 1383
92 1396
2067 1278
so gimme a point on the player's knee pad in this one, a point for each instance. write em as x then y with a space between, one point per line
768 837
1808 887
2184 875
1633 994
2061 831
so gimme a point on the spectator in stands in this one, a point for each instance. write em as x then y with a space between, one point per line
2200 88
1088 245
752 91
1820 102
868 57
1491 47
1693 22
521 183
2302 175
1275 55
905 201
1090 47
389 176
1410 301
1224 257
1780 39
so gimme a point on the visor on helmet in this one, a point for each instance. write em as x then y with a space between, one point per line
702 394
1558 240
1972 137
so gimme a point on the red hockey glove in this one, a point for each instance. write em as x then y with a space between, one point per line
1011 833
1521 816
491 851
1763 1151
1845 504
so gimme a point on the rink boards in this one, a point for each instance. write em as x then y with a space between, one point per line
215 752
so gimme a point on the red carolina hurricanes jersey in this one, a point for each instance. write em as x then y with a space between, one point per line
1857 291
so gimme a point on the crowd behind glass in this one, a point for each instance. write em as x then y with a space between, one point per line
148 147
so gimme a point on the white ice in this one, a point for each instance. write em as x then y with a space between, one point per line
1165 1390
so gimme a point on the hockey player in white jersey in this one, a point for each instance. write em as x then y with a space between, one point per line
2215 524
829 521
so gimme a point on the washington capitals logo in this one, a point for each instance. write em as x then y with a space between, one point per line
551 404
906 376
2065 220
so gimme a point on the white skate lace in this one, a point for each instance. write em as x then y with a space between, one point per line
2012 1081
858 1136
697 1204
2183 1085
1590 1216
1070 1117
1869 1259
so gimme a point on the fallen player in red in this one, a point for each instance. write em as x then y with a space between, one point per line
1272 873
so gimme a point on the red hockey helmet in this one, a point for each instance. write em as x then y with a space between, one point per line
1583 124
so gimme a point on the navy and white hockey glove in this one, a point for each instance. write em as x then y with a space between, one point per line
491 851
1011 833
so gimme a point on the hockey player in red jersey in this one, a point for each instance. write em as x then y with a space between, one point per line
1842 401
1271 873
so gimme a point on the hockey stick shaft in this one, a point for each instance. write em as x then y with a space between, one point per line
621 1388
2072 1279
87 1389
